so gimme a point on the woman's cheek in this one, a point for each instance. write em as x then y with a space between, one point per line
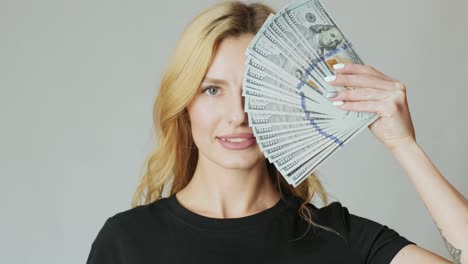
204 116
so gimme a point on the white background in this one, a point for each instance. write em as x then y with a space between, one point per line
78 80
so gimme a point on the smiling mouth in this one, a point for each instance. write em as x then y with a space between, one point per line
236 140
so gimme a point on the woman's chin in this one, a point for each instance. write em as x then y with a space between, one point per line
242 163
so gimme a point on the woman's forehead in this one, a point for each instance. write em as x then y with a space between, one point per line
229 60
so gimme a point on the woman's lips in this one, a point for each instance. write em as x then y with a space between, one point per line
237 141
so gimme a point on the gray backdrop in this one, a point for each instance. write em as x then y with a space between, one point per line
78 79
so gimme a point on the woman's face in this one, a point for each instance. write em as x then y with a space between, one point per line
219 124
329 39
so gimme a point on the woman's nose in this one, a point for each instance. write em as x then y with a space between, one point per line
235 110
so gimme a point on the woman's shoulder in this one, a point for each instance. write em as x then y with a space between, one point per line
139 216
130 230
330 210
337 216
357 229
333 214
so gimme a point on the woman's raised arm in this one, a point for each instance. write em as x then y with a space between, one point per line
381 94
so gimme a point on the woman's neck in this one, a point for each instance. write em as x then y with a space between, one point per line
226 193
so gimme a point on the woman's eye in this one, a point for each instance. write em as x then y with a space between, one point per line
332 35
211 90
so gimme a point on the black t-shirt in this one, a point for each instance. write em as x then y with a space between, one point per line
166 232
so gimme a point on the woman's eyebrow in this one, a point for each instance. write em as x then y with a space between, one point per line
214 80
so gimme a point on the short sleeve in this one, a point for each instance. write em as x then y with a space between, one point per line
373 242
108 245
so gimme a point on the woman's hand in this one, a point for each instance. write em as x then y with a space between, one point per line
373 91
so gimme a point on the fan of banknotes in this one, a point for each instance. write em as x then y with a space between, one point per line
296 126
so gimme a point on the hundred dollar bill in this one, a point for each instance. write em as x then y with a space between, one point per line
264 124
301 157
259 74
282 37
307 145
294 103
301 173
289 139
288 163
304 168
320 31
309 153
257 78
306 137
287 45
275 134
295 125
321 34
284 31
267 107
271 52
297 175
277 74
273 129
260 105
256 91
289 110
270 118
298 102
261 102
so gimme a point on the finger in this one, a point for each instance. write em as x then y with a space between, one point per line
362 81
367 106
359 69
360 94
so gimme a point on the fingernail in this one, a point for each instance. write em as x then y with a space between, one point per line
338 66
331 94
337 103
330 78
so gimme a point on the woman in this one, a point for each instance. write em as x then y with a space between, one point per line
227 204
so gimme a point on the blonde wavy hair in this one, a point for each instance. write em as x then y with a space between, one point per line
175 155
